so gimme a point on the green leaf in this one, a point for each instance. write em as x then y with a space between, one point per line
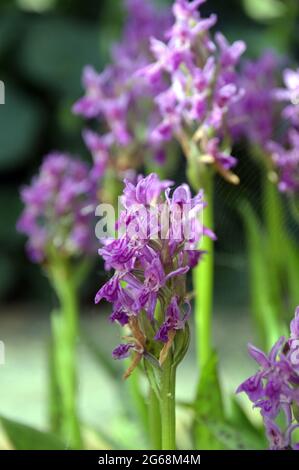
97 439
55 52
292 272
54 396
233 438
130 391
240 420
209 397
37 6
139 401
20 124
208 406
265 310
24 437
265 10
238 416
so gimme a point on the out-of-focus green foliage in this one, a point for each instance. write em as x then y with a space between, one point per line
20 123
265 10
10 24
23 437
55 51
208 407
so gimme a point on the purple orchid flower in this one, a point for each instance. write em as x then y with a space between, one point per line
59 207
274 388
150 267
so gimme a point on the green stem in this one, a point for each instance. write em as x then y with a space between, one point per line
65 332
273 215
54 398
167 404
154 420
203 280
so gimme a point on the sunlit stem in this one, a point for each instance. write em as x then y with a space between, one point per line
203 280
167 404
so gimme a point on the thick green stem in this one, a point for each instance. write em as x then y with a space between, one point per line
203 280
167 404
65 331
154 420
55 413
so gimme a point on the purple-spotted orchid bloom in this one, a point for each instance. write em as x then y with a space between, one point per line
148 287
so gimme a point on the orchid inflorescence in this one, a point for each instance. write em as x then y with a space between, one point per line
150 268
254 116
198 83
268 118
286 155
121 104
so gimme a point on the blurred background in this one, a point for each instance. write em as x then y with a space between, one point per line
44 45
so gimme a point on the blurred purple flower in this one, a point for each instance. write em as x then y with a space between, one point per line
120 101
286 161
253 116
200 83
290 94
59 208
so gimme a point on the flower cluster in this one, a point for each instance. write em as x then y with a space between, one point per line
286 161
274 389
272 132
122 104
158 244
290 94
285 156
198 83
254 116
59 208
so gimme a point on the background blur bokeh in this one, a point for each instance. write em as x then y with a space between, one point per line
44 45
